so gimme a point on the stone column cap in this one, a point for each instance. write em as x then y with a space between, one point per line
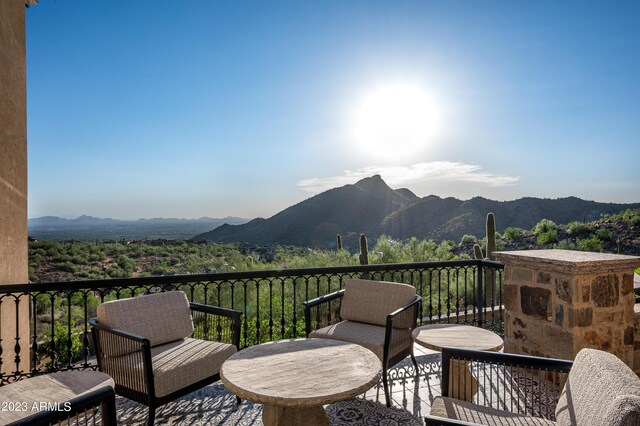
569 261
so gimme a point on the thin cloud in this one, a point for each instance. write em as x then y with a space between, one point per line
397 176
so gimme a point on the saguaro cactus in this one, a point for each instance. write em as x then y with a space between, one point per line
364 255
364 250
477 251
491 240
491 236
489 273
339 242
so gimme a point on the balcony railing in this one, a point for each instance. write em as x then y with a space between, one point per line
466 291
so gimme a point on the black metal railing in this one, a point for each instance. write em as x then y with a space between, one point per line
58 335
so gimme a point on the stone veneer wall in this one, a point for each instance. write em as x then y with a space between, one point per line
560 301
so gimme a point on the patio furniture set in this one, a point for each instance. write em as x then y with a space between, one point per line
155 348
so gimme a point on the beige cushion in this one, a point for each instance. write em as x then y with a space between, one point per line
161 317
57 387
469 412
600 390
176 365
371 301
367 335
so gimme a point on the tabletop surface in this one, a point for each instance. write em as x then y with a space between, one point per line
437 336
301 372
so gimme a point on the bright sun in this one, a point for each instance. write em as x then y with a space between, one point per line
394 122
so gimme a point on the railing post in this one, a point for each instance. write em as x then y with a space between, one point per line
479 293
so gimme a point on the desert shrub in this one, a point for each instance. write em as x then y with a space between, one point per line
603 234
61 258
114 271
544 226
592 243
547 237
512 233
578 229
67 267
468 239
159 270
126 264
566 245
33 276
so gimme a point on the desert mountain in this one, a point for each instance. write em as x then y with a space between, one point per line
370 206
348 210
449 218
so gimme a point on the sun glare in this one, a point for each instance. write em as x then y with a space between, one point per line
394 122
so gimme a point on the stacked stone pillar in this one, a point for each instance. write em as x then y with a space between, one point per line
560 301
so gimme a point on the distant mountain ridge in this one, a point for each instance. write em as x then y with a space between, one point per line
370 206
314 222
93 228
91 220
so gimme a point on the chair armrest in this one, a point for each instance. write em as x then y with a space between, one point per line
323 299
393 316
542 379
104 397
316 304
134 349
441 421
118 332
215 323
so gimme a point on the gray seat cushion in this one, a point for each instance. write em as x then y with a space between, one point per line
371 301
368 335
469 412
161 318
600 391
49 388
176 365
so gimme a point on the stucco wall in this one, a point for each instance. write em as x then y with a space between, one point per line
13 175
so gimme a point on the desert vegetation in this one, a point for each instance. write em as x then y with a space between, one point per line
271 302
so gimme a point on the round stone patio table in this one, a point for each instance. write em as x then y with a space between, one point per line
295 378
462 384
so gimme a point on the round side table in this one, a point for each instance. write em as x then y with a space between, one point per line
462 384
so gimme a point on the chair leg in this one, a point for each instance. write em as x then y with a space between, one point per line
238 400
152 415
385 383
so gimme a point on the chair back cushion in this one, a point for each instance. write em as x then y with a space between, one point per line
600 391
371 301
160 317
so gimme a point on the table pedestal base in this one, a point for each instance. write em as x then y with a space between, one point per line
462 384
292 416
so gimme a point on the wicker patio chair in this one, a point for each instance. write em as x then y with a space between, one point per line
159 347
378 315
64 398
596 389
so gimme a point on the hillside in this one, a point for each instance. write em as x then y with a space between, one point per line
348 210
370 206
436 218
617 233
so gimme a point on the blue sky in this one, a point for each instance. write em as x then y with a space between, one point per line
188 109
